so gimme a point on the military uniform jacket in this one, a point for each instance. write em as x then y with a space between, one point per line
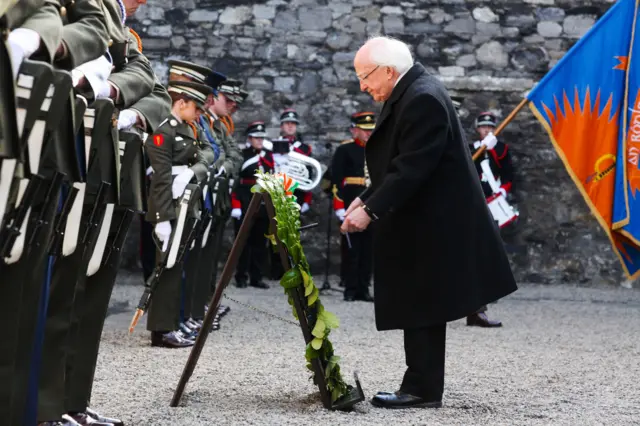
501 167
172 144
41 16
85 35
347 173
254 160
154 107
231 156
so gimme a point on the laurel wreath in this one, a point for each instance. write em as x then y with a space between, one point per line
280 188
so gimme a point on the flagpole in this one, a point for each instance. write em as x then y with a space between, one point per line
502 126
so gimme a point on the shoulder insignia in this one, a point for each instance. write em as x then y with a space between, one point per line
158 139
347 141
137 37
173 122
163 122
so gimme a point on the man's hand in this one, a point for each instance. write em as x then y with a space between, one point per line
221 171
304 208
356 221
354 205
490 141
236 213
163 232
180 183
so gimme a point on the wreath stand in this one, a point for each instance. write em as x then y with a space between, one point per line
353 395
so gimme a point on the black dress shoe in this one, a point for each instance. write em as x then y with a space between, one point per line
349 298
481 320
241 284
398 400
86 420
172 339
260 284
223 310
97 416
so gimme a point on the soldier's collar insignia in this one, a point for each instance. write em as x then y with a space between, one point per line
173 122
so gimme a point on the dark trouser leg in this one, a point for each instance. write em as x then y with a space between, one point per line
204 277
243 262
365 262
350 264
91 314
164 309
66 275
424 350
482 309
258 244
191 265
147 248
29 274
344 253
10 312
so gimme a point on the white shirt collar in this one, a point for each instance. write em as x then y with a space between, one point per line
400 78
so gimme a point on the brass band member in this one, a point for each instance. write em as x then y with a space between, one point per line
254 254
349 180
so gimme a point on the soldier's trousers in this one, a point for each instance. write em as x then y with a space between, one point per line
199 272
358 263
147 248
19 311
190 276
255 252
68 273
164 309
90 311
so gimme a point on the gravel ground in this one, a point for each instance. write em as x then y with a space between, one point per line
566 355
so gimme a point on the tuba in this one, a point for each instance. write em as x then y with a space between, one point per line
304 170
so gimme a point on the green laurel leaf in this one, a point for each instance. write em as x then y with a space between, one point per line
316 343
329 318
291 279
318 329
313 296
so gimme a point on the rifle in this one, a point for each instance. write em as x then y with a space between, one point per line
187 220
222 212
9 135
32 89
61 222
102 165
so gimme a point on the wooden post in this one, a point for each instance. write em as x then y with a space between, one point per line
225 278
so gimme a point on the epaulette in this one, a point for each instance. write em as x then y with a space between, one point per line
137 37
347 141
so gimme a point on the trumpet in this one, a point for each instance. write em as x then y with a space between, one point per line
304 170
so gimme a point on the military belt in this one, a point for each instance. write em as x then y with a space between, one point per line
244 181
354 181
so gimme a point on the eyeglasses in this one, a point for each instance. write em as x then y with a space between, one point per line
369 73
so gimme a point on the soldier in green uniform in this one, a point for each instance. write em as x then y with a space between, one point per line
29 271
125 80
174 155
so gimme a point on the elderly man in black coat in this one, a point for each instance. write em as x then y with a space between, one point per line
438 256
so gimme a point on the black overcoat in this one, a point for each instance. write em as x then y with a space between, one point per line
438 255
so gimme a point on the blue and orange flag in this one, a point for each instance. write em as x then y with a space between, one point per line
588 103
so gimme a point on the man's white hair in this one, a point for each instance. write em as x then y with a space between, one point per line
389 52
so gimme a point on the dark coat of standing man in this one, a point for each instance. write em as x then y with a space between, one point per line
437 255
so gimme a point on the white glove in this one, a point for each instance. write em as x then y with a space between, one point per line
503 192
180 183
163 232
490 141
127 118
221 170
304 208
340 214
96 72
22 44
236 213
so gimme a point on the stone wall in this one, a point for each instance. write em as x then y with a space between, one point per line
299 53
